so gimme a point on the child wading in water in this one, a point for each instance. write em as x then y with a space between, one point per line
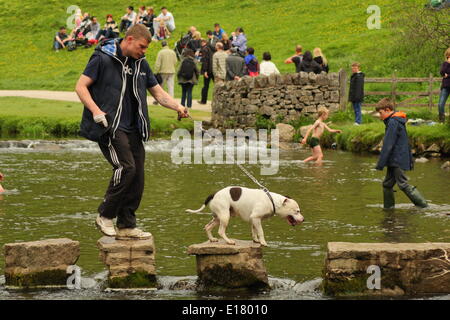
319 126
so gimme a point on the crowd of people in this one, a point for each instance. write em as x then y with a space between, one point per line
88 31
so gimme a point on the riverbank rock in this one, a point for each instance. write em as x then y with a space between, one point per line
224 266
286 132
421 160
304 129
403 269
131 263
446 166
40 263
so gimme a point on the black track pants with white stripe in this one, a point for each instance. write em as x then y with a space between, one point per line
126 154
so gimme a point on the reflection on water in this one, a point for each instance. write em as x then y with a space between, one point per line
55 193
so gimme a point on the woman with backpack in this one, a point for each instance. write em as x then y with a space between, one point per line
187 76
251 63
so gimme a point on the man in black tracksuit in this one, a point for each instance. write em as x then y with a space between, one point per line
396 156
113 89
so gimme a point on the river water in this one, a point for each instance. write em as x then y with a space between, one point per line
53 191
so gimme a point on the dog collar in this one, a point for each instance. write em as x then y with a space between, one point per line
271 199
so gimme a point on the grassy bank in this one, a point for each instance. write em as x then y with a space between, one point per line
338 27
39 119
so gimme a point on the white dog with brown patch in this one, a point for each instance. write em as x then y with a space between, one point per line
251 205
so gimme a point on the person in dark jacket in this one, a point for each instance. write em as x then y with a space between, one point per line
235 65
396 156
320 58
187 76
113 89
309 65
445 87
207 69
356 92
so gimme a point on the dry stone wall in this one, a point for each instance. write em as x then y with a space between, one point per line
280 98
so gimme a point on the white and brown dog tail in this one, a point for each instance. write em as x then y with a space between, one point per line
196 211
210 197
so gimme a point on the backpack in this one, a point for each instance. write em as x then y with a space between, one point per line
187 69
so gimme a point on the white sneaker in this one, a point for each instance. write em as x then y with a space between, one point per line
356 124
106 226
132 234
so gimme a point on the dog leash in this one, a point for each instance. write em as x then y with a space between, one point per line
248 174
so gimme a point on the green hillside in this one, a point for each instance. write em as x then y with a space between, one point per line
338 27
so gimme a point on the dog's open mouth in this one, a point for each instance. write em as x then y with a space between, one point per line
291 220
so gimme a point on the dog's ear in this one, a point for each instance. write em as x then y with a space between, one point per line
288 197
285 201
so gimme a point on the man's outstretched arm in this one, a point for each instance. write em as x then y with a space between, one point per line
167 101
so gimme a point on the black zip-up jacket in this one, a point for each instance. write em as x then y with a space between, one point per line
356 92
107 92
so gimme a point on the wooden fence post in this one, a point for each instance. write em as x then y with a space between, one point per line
430 92
342 90
394 89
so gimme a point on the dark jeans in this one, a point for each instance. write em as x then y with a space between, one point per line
395 175
358 114
108 34
445 92
205 88
126 154
186 93
124 25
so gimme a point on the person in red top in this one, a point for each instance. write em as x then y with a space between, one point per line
1 179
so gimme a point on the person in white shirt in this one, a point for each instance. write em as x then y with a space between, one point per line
168 19
127 19
267 67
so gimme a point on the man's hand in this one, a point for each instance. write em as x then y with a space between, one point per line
303 141
100 118
206 75
183 113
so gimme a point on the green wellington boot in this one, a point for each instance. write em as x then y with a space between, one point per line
415 197
388 198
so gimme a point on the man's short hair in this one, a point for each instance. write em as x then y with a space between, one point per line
131 8
250 50
356 64
298 48
384 104
162 8
216 25
139 31
203 40
209 33
61 28
164 43
233 49
267 56
219 45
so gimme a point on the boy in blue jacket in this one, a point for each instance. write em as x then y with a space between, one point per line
396 156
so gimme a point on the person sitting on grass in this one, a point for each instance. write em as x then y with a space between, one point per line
163 33
61 39
110 30
318 127
1 179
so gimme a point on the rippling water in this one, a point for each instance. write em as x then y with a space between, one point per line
54 190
